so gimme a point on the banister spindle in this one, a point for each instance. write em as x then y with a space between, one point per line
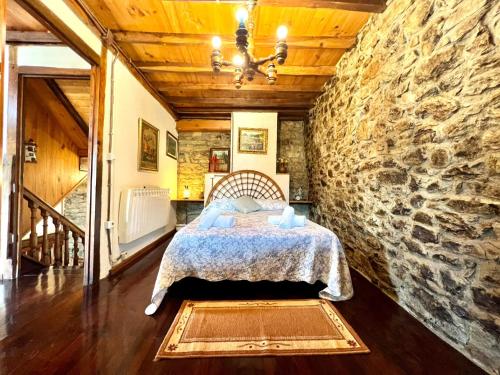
75 249
66 245
45 239
33 235
57 244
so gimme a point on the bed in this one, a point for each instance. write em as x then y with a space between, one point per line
253 249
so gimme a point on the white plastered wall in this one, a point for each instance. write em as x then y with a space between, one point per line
265 163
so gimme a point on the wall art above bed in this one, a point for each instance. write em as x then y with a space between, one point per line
252 141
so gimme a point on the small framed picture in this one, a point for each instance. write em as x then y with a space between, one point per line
219 160
172 145
252 141
148 146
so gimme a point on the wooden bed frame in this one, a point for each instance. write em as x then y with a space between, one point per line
246 183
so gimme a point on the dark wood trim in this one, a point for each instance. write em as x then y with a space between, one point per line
62 31
134 258
94 185
82 124
182 39
31 37
374 6
3 69
49 72
15 152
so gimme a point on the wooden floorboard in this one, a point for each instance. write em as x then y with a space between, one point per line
50 325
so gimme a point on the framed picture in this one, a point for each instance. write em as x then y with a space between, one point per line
252 141
219 160
172 145
148 146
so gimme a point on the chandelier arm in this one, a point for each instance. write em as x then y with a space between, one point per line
265 59
257 70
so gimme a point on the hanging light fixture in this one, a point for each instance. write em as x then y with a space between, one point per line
244 63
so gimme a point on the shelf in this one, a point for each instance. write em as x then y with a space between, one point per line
301 202
188 200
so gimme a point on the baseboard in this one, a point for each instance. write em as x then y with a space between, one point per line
133 259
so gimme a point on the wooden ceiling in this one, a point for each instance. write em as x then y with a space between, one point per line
77 92
170 42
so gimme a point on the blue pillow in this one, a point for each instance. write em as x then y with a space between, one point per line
246 205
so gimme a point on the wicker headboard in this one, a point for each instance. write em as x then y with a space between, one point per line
246 182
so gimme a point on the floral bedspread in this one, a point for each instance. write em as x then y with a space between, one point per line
254 250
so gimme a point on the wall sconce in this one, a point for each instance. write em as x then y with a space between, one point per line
30 151
186 193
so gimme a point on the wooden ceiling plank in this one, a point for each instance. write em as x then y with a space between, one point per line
319 42
31 37
291 70
374 6
164 86
201 125
56 90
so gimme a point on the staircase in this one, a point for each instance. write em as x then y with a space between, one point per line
50 249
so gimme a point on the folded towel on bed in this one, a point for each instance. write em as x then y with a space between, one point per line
208 218
298 220
286 221
224 221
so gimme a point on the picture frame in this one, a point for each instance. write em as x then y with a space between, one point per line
252 141
172 146
220 159
149 137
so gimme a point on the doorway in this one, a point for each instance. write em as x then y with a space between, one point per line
49 67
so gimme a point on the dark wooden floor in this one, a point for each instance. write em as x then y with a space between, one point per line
50 325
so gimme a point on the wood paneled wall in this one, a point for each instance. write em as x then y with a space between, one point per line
57 171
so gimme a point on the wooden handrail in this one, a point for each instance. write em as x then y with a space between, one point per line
29 196
58 252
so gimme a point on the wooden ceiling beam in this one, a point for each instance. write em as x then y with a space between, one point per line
31 37
319 42
373 6
56 90
203 125
163 86
285 70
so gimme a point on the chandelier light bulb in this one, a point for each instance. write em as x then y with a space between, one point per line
238 60
216 42
282 32
242 15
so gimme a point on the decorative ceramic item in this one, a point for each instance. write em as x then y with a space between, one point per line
186 193
298 194
282 165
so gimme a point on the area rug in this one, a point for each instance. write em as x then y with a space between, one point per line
258 328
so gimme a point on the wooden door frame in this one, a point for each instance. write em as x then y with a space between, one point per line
95 139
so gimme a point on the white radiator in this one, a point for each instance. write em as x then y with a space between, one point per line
142 211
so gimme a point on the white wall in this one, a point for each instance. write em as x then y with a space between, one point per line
131 102
265 163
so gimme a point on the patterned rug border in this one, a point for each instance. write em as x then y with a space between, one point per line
363 349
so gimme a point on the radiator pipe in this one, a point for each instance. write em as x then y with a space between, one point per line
109 161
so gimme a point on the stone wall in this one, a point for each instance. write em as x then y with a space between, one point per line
291 147
404 158
74 207
194 150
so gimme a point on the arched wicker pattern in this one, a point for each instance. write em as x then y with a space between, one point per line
246 182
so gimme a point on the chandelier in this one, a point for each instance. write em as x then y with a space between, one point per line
244 63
